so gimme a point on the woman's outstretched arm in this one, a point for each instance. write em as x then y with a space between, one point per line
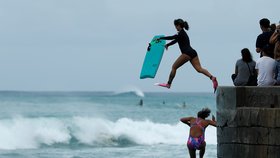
174 37
186 120
212 122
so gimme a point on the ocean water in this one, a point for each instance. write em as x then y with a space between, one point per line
100 124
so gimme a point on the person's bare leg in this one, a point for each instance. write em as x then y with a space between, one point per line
192 153
181 60
196 64
202 151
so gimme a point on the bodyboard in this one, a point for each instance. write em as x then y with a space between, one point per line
153 58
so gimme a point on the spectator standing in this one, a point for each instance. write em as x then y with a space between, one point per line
263 39
275 39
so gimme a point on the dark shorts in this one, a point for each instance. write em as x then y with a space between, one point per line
191 53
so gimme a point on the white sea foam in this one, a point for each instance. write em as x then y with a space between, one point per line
23 133
131 89
28 133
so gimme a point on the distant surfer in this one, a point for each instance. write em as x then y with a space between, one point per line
141 102
198 125
188 54
184 105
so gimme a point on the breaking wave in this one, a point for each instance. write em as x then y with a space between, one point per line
130 91
32 133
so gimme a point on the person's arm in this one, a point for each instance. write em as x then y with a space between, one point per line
236 69
174 38
255 72
257 69
171 43
275 71
186 120
258 49
273 38
212 122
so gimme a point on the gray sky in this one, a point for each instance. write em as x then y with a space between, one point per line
100 45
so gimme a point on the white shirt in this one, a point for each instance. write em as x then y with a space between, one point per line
266 68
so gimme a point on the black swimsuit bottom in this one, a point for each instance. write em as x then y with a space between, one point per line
191 53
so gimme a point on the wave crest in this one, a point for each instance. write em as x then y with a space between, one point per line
131 91
30 133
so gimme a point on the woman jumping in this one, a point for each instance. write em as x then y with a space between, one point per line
188 54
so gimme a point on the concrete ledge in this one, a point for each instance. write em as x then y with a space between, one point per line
248 151
265 97
248 121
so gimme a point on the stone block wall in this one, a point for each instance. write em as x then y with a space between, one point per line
248 121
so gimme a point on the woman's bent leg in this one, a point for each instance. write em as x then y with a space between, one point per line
181 60
196 64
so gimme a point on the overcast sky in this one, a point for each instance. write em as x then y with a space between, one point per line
92 45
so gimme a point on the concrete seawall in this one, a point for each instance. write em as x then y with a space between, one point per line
249 122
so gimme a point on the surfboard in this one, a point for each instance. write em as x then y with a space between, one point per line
153 58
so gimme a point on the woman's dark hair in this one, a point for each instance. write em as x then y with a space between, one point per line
181 23
246 55
205 112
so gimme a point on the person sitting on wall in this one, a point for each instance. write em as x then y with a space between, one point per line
265 67
244 67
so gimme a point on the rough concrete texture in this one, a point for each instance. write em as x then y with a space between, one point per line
248 121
